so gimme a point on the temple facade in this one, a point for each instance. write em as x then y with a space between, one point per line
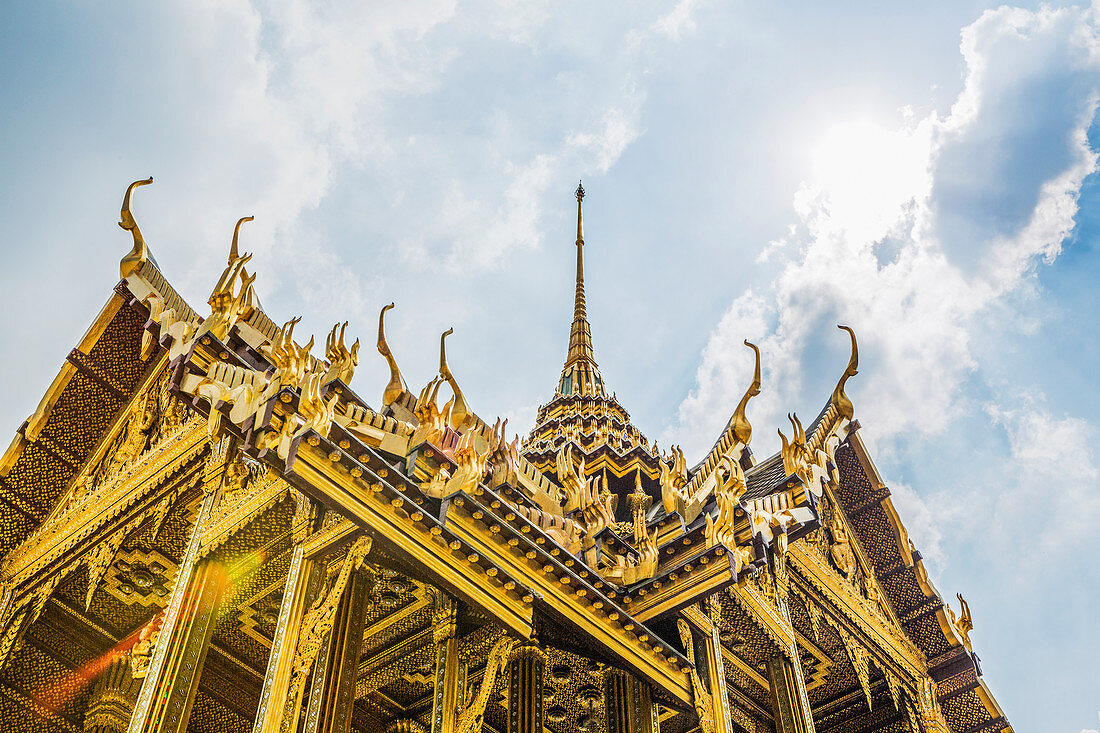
204 528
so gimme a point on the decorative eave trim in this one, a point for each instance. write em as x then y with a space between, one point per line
229 520
767 617
891 641
108 436
50 542
937 609
901 536
32 427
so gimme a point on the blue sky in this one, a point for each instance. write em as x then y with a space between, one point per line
925 173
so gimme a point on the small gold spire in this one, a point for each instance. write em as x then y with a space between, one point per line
233 253
639 502
843 404
396 386
739 424
131 263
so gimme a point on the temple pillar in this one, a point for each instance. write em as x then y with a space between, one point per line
525 675
792 715
708 677
448 677
716 670
791 704
629 704
312 606
164 704
302 583
111 699
332 695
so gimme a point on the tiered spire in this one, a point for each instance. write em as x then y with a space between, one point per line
583 418
580 375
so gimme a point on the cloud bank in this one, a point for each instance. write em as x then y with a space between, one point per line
919 235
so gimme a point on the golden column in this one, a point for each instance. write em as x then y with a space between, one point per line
315 614
628 703
708 676
303 581
111 702
164 703
302 584
788 685
447 672
332 696
525 675
789 714
716 670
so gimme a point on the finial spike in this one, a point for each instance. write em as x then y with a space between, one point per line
396 386
579 193
839 398
233 253
131 263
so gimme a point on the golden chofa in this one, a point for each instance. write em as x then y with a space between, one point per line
206 529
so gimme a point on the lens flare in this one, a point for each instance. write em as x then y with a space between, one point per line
54 697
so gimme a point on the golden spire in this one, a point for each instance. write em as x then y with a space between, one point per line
580 336
839 399
396 387
580 375
131 263
234 255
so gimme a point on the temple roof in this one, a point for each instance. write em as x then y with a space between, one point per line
716 520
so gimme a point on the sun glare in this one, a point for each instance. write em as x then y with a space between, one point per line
865 173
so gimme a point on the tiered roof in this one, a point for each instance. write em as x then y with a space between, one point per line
501 527
596 427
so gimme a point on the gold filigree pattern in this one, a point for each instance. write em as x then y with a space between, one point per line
702 698
319 619
556 538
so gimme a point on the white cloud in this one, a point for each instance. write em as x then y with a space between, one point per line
678 20
290 98
877 243
471 233
926 521
1049 481
617 129
485 235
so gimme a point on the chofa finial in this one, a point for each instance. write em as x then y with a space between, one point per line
844 405
460 411
131 263
234 255
396 386
739 423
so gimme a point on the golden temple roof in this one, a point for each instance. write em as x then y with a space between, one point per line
128 465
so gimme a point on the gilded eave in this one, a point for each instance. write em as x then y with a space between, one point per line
97 379
472 544
966 700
